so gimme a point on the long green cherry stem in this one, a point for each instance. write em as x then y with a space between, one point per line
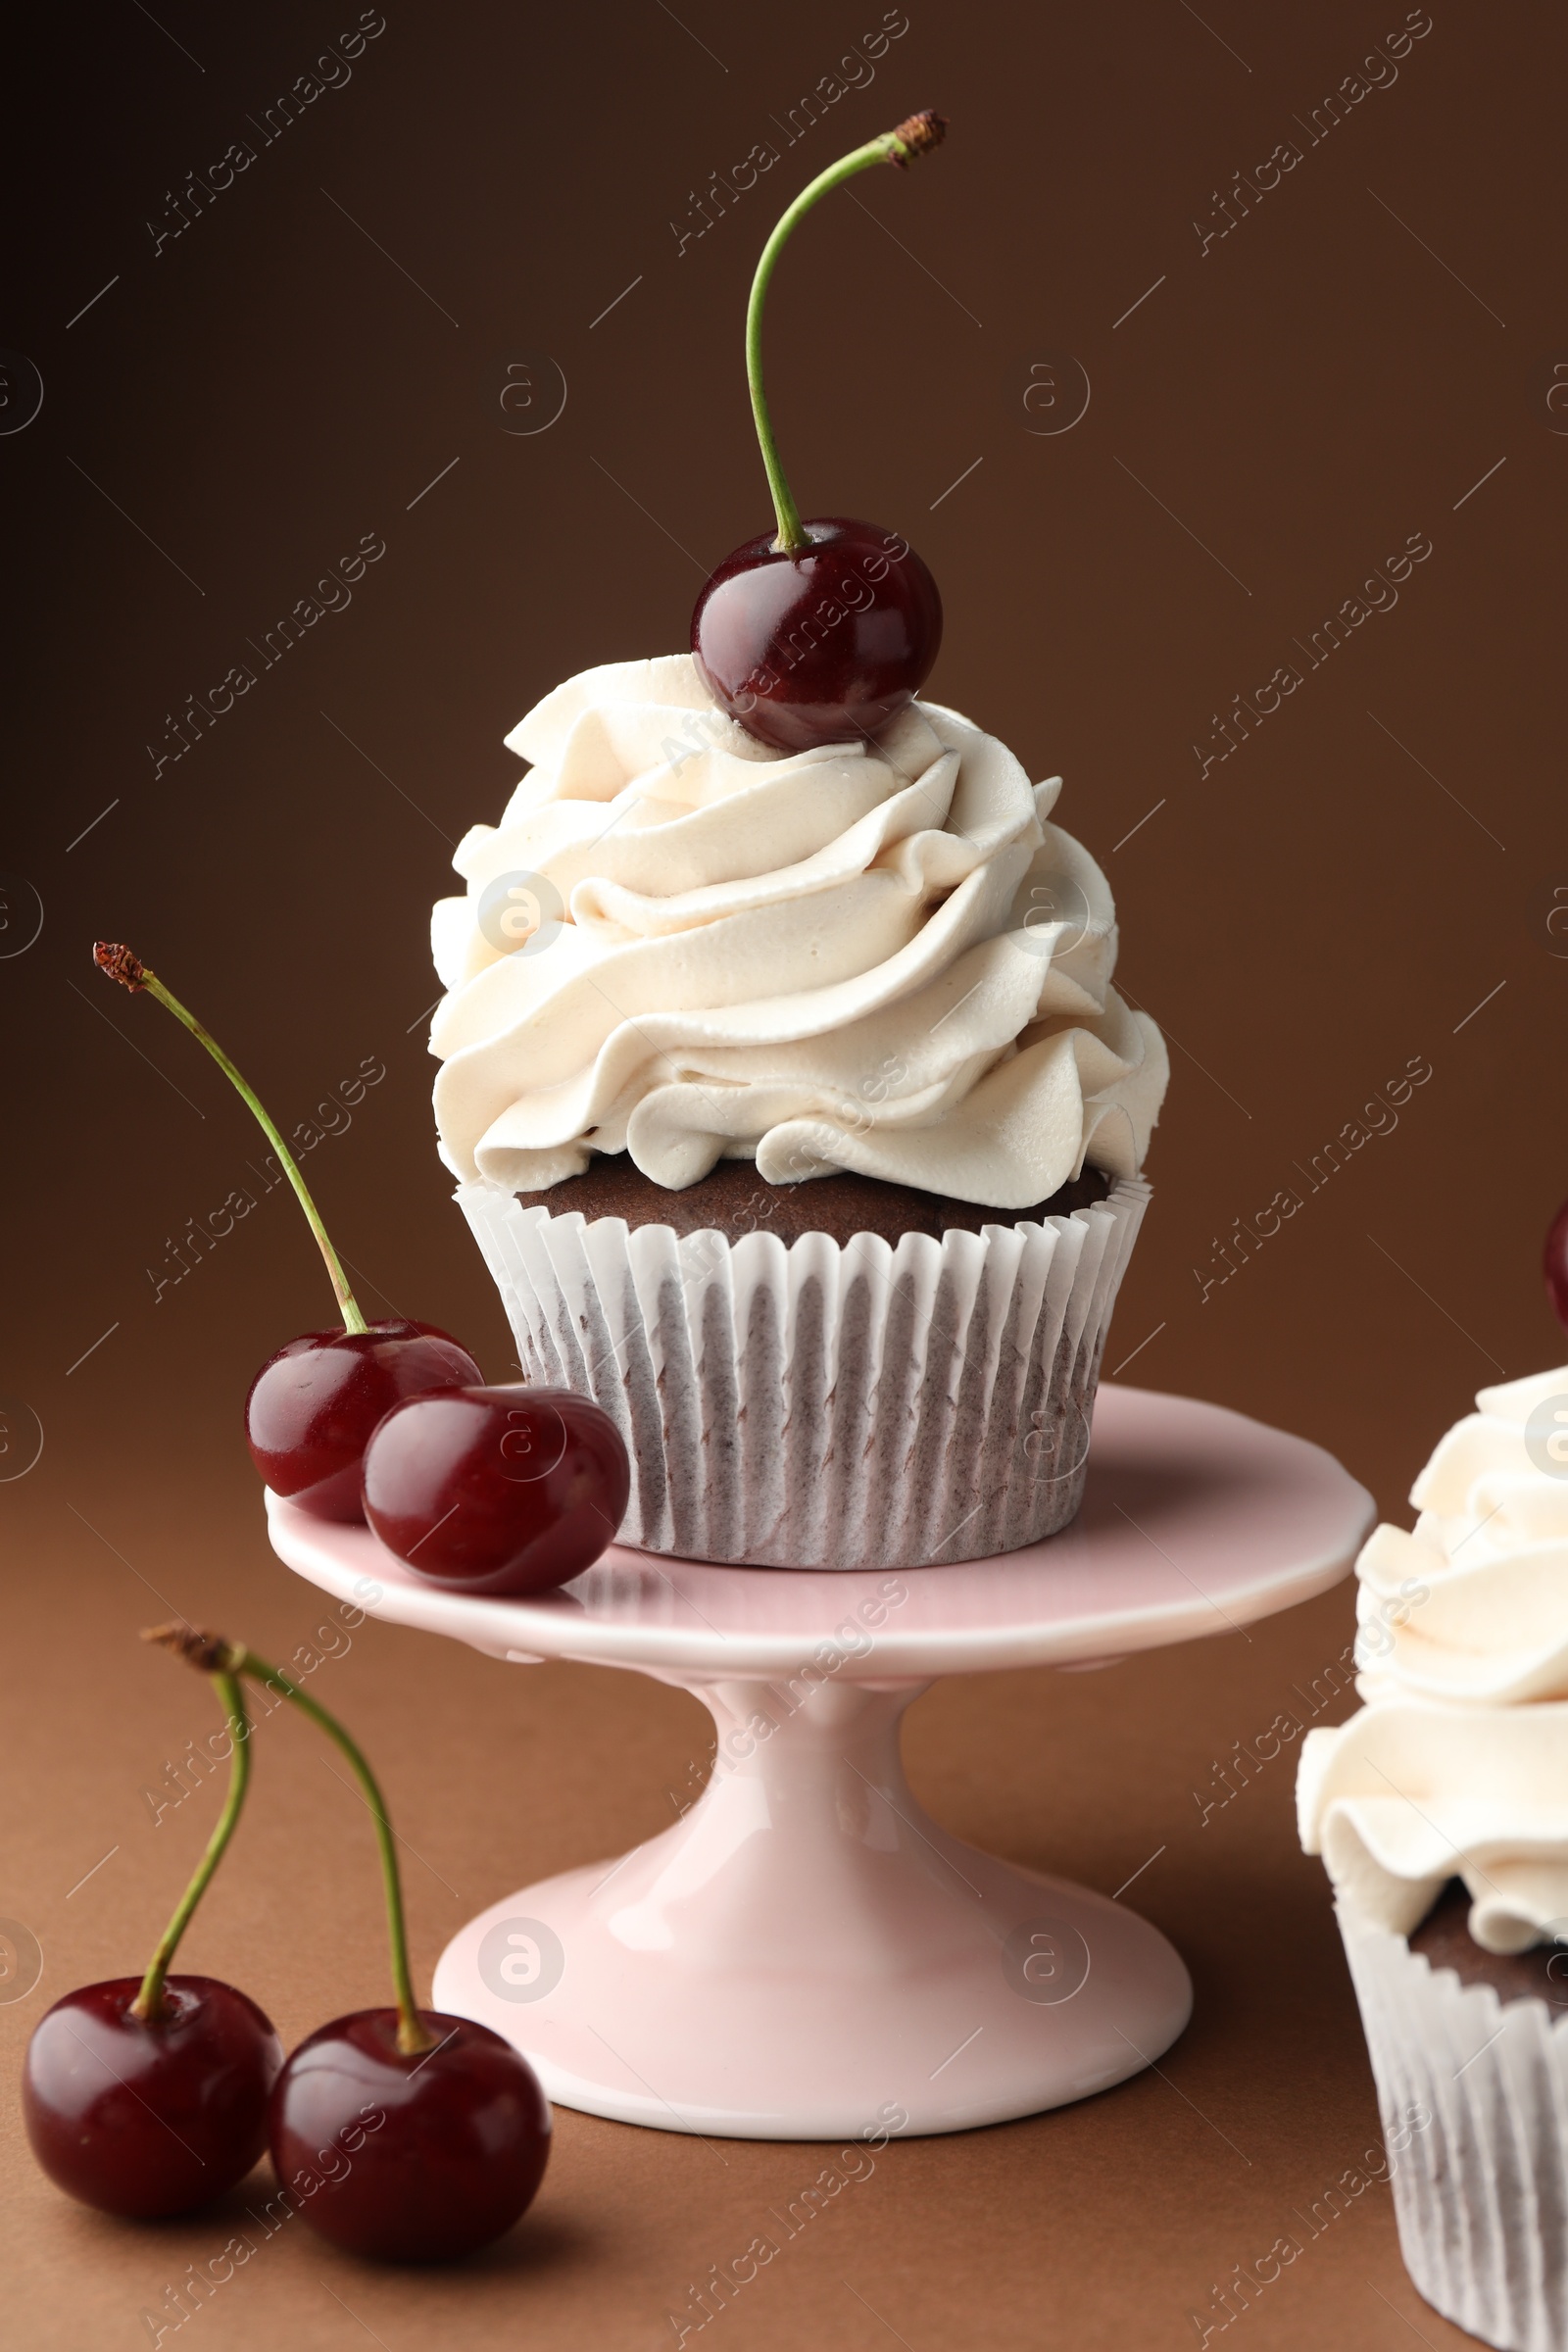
911 138
212 1653
128 969
149 2002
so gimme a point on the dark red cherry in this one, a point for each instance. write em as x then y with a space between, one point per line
497 1491
409 2158
823 645
154 2118
313 1406
1556 1265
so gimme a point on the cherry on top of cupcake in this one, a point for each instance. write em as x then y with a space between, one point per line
828 629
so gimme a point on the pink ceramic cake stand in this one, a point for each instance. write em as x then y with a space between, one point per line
805 1954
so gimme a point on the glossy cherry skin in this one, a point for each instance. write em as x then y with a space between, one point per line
824 646
313 1406
150 2119
497 1491
1556 1265
408 2159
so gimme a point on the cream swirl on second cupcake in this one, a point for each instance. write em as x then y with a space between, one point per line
879 956
1473 1604
1458 1763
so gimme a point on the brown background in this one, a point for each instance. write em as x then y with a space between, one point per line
1275 419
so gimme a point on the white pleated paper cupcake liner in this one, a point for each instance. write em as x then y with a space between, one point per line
824 1406
1480 2189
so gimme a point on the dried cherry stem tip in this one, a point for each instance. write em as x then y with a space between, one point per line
916 135
234 1658
121 965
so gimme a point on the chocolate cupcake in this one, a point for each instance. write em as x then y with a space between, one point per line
797 1119
1441 1811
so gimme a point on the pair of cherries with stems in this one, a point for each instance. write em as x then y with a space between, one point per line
402 2134
494 1491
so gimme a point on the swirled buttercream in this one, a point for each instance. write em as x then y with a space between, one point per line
1458 1763
879 957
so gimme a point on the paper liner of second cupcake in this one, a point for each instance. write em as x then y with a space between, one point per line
1473 2093
824 1405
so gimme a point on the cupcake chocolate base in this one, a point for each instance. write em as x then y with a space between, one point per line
885 1394
734 1201
1444 1937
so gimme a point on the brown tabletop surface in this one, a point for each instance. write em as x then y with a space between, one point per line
1349 910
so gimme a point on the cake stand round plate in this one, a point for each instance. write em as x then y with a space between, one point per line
805 1955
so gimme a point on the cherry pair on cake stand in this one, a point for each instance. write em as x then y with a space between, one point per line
805 1954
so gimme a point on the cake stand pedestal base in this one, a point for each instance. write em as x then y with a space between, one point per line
806 1955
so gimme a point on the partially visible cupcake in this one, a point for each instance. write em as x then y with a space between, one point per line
797 1118
1441 1811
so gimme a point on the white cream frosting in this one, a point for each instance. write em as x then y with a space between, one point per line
874 956
1458 1765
